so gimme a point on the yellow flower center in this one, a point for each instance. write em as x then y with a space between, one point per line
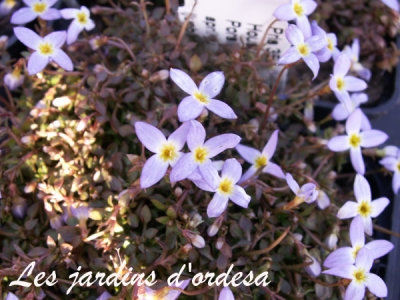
10 3
201 97
298 9
260 161
226 186
16 73
330 45
46 48
359 276
355 140
168 152
355 250
200 155
303 49
364 209
82 18
39 7
340 84
398 167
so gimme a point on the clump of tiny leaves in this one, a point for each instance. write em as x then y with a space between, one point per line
136 147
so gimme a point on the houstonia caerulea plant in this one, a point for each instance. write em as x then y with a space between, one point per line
330 51
364 206
347 255
303 48
36 8
360 277
81 20
201 154
353 53
341 83
342 112
228 189
202 96
305 193
47 49
262 159
354 140
392 163
167 151
297 10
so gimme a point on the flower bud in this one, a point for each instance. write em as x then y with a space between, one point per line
220 242
3 42
56 221
30 187
186 248
315 268
81 213
195 239
178 192
62 101
214 228
159 76
19 207
27 139
14 79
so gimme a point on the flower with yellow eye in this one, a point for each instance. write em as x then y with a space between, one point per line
353 53
167 151
347 255
47 49
364 207
392 163
203 96
355 139
330 50
36 8
360 277
81 20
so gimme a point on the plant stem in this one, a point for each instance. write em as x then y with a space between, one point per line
143 8
123 45
260 45
183 29
387 231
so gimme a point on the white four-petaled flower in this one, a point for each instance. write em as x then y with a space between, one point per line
303 48
46 49
330 50
81 21
392 163
167 151
199 97
306 193
355 139
262 159
353 53
36 8
364 207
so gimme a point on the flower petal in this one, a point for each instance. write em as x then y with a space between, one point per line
313 63
250 172
209 173
340 257
372 138
274 169
355 48
364 73
221 142
357 160
339 143
249 154
240 197
179 136
396 183
201 184
323 200
196 135
367 221
37 63
344 271
379 248
362 189
183 168
294 35
217 205
342 65
173 294
309 6
323 55
51 14
183 80
74 30
340 112
365 124
212 84
389 163
393 4
353 123
294 186
56 38
270 147
290 56
354 291
62 59
153 171
232 169
226 294
285 12
90 25
23 16
354 84
364 259
376 286
378 205
150 136
348 210
304 25
317 42
27 37
189 109
221 109
69 13
357 236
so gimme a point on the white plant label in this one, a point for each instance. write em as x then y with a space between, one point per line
238 21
